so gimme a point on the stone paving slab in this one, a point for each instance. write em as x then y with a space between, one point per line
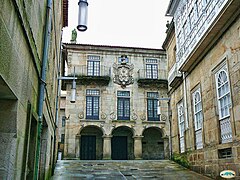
123 170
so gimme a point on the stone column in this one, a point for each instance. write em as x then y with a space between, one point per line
107 147
138 147
77 145
166 147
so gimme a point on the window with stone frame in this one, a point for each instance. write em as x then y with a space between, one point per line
123 105
63 121
181 126
224 103
92 104
93 65
198 118
151 68
62 138
152 106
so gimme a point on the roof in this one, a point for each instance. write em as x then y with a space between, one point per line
172 6
112 46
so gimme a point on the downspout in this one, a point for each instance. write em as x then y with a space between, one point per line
170 129
57 103
185 99
43 83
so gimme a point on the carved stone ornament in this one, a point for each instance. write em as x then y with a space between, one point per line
81 115
112 116
143 117
123 74
134 116
163 117
103 115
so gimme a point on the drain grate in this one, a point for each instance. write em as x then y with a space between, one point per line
134 169
87 165
100 164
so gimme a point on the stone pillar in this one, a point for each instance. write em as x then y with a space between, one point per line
138 147
166 147
107 147
77 146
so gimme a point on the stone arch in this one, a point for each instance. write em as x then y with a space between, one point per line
91 143
122 143
124 126
93 126
152 143
161 130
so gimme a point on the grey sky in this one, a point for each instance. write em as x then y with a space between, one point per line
135 23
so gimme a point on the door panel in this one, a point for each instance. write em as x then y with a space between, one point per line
88 148
119 148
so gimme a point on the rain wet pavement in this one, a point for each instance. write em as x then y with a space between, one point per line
124 169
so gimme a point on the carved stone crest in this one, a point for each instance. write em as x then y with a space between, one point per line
123 73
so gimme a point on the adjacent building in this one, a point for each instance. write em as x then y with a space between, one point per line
115 114
30 36
203 49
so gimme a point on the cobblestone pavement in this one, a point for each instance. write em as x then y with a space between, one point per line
129 169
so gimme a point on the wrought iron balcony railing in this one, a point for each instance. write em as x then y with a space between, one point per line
99 75
152 78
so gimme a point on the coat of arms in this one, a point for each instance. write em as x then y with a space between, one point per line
123 73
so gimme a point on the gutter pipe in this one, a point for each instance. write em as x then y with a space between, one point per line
185 100
43 84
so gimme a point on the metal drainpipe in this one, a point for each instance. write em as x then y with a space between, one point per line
57 103
43 83
185 100
170 128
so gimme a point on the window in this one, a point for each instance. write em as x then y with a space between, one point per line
123 59
181 126
200 4
192 18
93 65
152 105
224 103
63 121
151 69
123 105
198 118
223 92
180 39
62 138
225 153
92 104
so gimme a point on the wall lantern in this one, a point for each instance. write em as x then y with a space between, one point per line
82 15
159 108
73 92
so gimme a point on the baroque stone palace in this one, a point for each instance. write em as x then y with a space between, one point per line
115 115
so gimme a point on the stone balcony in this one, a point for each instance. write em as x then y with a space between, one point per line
84 77
174 76
159 81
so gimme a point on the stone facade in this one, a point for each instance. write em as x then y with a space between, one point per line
210 140
22 27
115 116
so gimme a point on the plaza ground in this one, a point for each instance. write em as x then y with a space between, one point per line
123 169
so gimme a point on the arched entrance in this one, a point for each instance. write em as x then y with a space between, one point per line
122 143
152 144
91 143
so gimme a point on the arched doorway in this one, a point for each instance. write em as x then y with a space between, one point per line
91 143
152 144
122 143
